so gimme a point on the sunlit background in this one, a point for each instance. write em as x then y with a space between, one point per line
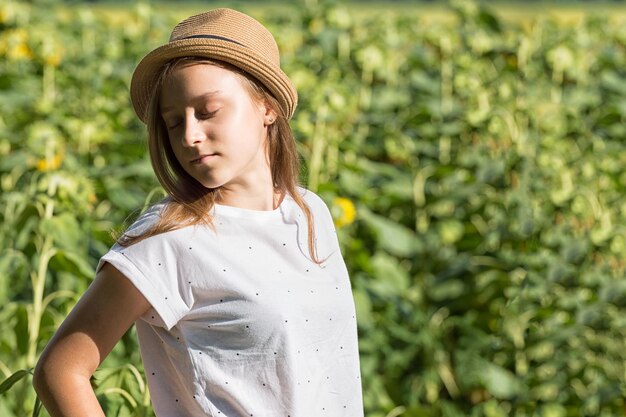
472 155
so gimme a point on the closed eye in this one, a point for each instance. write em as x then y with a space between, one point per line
173 125
207 115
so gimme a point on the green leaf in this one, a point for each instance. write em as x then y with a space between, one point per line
487 19
500 382
352 181
393 237
451 231
21 328
13 160
449 289
37 408
553 410
71 262
64 229
13 379
391 280
363 306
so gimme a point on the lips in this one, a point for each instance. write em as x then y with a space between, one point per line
202 158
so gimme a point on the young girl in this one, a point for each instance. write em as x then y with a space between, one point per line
235 281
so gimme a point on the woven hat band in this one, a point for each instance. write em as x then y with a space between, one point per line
211 37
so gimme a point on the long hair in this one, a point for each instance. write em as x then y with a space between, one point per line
188 201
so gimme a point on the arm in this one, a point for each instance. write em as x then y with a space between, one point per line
101 317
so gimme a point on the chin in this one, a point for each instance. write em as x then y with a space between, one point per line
211 183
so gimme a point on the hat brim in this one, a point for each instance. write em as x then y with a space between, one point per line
269 74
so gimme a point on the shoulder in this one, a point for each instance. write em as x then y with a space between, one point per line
147 219
314 201
319 209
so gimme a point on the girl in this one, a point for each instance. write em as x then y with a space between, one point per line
235 281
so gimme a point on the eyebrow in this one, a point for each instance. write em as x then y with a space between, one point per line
202 97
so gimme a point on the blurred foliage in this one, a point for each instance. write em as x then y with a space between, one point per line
474 170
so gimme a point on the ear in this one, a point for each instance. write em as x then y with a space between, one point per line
269 115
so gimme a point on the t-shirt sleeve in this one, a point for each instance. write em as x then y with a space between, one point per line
151 265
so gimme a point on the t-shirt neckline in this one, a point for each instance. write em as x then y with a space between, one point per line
232 211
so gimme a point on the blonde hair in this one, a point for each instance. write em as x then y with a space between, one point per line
188 201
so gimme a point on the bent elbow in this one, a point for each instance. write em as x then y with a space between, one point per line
40 376
46 374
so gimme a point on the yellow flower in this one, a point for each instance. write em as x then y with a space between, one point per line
52 53
14 43
19 52
347 210
49 164
52 60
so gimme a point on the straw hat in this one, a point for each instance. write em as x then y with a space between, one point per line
222 34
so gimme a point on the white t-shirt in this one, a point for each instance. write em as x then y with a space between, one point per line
242 322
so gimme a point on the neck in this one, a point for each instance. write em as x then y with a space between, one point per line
261 200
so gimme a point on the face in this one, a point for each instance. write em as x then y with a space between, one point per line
217 131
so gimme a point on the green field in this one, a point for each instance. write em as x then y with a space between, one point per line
472 159
566 11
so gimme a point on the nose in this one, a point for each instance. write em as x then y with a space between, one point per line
193 132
